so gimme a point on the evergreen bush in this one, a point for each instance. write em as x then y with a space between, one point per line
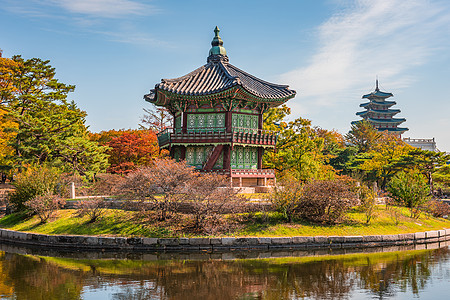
34 181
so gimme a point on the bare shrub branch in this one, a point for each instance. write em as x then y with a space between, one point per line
438 208
163 184
209 198
286 197
94 209
44 206
326 201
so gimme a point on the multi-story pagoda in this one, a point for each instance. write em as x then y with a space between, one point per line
218 118
379 113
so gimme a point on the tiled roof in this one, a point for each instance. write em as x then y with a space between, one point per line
378 93
387 111
219 75
392 120
384 103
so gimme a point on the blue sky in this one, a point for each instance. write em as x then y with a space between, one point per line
329 51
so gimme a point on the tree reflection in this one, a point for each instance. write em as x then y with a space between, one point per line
33 278
382 275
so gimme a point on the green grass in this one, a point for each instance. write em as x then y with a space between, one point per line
354 225
114 223
125 223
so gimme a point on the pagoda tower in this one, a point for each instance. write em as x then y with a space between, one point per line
218 118
379 113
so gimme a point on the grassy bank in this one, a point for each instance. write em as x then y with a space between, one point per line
125 223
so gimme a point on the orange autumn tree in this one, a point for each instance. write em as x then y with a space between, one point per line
7 69
129 149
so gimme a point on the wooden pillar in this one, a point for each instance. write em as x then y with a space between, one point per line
240 182
260 155
228 121
260 121
231 181
265 181
183 153
184 125
227 157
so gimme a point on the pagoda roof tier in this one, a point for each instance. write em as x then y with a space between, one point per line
378 94
379 111
381 129
393 120
384 103
396 129
218 79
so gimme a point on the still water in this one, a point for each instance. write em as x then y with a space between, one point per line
414 274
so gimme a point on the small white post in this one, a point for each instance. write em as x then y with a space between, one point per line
72 190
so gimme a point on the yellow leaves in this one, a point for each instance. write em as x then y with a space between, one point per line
5 136
388 149
8 68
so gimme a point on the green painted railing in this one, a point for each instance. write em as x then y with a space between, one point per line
237 135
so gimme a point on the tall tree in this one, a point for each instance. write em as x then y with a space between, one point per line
380 163
8 69
6 137
425 161
49 128
129 149
363 136
156 119
442 175
299 152
274 118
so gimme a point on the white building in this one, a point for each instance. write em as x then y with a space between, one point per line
424 144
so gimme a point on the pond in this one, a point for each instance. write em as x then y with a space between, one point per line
422 274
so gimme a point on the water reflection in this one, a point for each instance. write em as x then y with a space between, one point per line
378 275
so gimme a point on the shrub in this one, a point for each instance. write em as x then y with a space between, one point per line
165 178
34 181
107 184
210 197
326 201
438 208
367 205
45 205
411 190
393 210
286 197
94 209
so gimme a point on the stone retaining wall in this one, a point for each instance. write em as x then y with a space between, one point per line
219 244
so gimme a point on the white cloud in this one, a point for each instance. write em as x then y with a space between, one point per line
369 38
113 19
106 8
135 38
84 8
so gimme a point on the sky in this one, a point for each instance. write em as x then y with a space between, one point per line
329 51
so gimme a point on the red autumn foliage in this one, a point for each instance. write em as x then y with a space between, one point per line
129 149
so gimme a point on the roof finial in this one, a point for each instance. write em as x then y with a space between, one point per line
217 45
376 88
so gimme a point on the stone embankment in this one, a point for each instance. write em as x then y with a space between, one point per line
75 242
